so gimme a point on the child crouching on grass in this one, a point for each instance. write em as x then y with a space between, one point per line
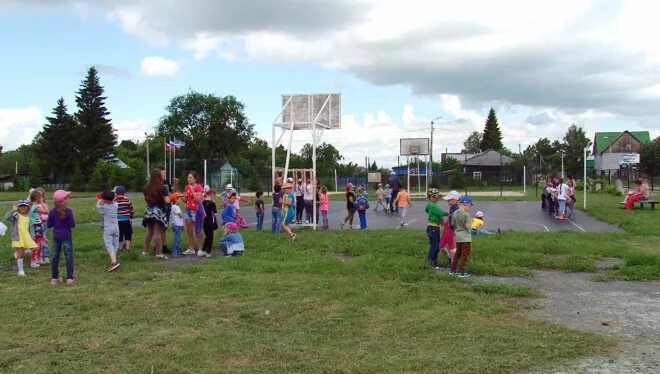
231 242
477 227
22 232
462 225
436 216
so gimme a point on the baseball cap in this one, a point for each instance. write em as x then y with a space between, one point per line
349 185
61 195
119 189
286 185
22 202
393 173
229 187
465 199
452 195
174 196
479 214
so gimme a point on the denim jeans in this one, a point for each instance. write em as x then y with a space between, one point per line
434 244
45 253
177 240
260 220
562 206
67 246
363 220
277 219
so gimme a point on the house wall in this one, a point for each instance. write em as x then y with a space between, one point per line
626 143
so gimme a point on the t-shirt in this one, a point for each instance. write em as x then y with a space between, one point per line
291 206
61 227
211 211
388 193
477 223
380 193
435 213
452 210
277 199
259 205
462 219
562 191
350 200
109 216
190 191
228 214
404 199
124 208
308 192
176 220
324 202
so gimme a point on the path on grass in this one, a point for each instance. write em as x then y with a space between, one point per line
627 311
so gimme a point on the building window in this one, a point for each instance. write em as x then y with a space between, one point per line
476 175
506 177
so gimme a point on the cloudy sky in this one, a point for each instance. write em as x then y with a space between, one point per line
397 64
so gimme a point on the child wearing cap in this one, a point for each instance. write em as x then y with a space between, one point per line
288 210
462 225
125 214
62 221
447 239
436 216
22 232
176 217
231 242
35 212
107 207
477 227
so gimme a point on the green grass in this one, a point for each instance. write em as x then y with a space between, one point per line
606 207
303 308
12 196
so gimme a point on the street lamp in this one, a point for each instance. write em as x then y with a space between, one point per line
430 171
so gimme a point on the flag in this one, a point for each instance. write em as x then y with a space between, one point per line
176 143
168 146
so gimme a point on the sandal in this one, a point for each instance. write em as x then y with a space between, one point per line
161 257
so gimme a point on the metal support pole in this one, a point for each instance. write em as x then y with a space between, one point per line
584 184
524 180
147 140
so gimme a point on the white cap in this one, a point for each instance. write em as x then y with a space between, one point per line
229 186
207 188
479 214
452 195
393 173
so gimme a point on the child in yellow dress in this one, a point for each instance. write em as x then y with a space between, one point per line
22 232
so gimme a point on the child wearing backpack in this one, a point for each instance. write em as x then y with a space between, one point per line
362 206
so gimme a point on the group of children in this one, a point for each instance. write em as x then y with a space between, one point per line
30 221
360 202
558 197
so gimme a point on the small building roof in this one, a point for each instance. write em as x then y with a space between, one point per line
490 158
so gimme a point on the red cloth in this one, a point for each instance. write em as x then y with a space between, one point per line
630 202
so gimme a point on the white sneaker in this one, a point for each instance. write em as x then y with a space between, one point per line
208 255
21 273
34 264
188 252
200 254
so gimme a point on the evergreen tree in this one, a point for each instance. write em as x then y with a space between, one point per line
473 143
57 140
96 137
492 138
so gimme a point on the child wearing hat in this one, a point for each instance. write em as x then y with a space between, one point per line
62 221
477 227
231 242
288 210
107 207
125 214
436 217
22 232
462 226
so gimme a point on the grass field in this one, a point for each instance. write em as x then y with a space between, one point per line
329 302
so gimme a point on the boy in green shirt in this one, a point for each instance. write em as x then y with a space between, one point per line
462 225
434 226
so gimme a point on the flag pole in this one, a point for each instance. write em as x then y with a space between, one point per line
169 171
165 147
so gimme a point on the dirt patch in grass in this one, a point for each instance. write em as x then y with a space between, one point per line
344 257
627 311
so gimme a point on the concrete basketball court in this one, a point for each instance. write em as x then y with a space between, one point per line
505 215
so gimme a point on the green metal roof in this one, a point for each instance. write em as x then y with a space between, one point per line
605 139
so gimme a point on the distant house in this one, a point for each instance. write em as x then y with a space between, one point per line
487 165
611 147
222 172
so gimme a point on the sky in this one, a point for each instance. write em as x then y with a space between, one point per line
398 65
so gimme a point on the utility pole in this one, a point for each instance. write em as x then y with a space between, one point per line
430 171
562 163
147 136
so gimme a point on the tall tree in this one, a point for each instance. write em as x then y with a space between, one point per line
575 141
96 137
492 138
649 158
57 139
473 143
211 126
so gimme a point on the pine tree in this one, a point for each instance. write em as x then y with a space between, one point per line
492 138
57 141
96 137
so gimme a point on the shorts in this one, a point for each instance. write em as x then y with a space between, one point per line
125 230
402 211
111 240
289 218
190 215
448 239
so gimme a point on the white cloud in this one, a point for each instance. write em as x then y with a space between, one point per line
133 129
19 126
156 66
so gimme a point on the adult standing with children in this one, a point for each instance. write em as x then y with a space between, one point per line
156 216
395 184
193 197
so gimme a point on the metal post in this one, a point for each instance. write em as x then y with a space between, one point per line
147 140
562 163
336 185
465 172
584 184
205 184
419 180
524 180
501 179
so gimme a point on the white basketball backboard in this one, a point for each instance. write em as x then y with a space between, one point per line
414 146
305 110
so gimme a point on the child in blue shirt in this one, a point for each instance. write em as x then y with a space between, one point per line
228 213
231 242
